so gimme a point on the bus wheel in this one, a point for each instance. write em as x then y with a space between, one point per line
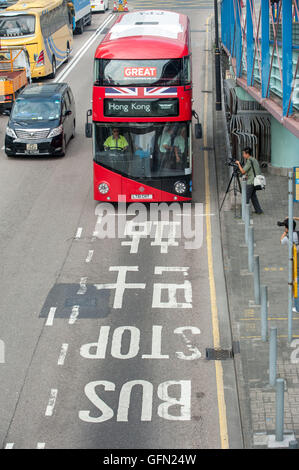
53 74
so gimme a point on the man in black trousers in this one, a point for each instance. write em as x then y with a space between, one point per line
251 169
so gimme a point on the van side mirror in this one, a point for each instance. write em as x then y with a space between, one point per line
197 127
88 125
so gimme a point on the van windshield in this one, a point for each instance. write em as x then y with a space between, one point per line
18 25
36 110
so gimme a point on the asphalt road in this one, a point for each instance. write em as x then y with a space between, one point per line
104 339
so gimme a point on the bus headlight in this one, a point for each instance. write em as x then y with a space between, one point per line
180 187
103 188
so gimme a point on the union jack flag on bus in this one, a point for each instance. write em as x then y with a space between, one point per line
140 92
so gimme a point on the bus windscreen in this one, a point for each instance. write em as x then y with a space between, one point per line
143 150
18 25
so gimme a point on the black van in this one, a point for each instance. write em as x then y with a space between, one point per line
42 121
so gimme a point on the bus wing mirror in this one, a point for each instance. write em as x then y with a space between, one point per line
88 125
198 131
88 129
197 127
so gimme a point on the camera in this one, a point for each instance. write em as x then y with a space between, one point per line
232 162
285 223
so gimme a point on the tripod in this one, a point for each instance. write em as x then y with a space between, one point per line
236 187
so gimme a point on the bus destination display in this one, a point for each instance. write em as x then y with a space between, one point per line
141 108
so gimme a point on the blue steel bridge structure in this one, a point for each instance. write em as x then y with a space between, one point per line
261 39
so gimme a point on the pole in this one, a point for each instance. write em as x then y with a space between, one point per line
279 409
217 60
243 185
272 355
264 313
250 249
247 221
290 293
256 280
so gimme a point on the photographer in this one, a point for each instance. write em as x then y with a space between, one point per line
251 167
284 240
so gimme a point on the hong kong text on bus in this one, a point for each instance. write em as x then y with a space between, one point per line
142 109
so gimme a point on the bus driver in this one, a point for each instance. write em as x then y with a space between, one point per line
116 141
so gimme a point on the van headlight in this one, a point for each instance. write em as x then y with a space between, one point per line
54 132
10 132
180 187
103 188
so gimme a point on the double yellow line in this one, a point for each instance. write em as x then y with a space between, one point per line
214 310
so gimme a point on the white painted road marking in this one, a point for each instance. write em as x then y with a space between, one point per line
62 355
183 402
120 285
41 445
74 314
51 315
79 232
120 349
195 352
172 289
9 445
83 287
51 403
62 76
89 256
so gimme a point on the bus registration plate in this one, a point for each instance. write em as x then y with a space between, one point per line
141 196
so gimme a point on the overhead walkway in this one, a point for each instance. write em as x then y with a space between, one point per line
261 39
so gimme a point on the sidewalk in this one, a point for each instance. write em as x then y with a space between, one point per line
257 398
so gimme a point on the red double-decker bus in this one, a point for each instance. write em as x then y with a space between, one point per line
142 109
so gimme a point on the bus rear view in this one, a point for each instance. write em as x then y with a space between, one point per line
142 109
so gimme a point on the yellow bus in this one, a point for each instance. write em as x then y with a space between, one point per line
44 27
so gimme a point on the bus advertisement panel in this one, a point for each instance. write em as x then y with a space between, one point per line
142 109
44 27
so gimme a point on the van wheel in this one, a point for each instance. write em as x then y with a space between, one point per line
74 130
53 74
63 147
